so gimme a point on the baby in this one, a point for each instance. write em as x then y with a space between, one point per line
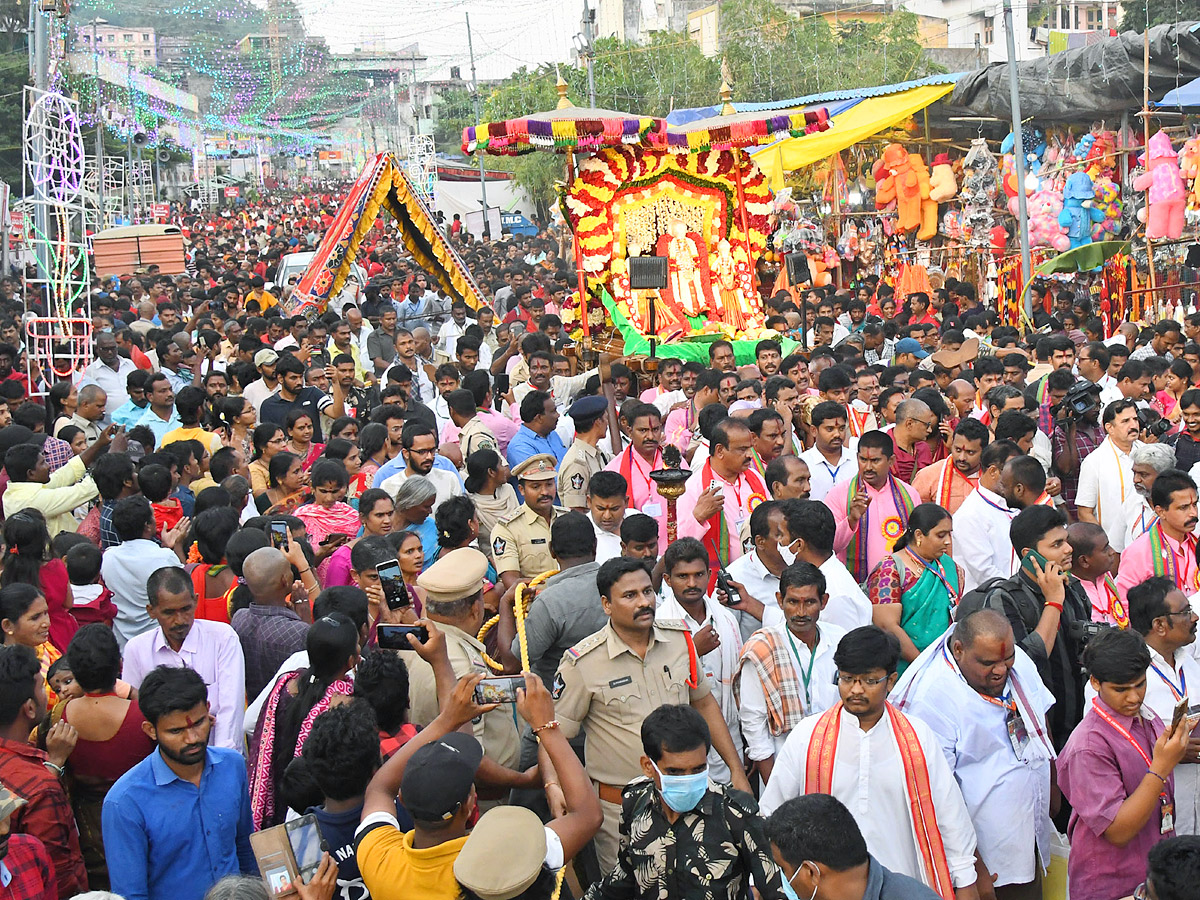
62 680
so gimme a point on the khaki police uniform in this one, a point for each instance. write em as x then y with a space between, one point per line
604 688
456 575
521 540
476 436
581 462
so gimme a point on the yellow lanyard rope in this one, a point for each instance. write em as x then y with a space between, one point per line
522 600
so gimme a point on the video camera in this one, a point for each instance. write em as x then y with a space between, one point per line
1080 399
1156 427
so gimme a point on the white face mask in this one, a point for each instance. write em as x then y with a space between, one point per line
788 554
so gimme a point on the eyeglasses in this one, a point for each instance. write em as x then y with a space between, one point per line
861 680
1140 892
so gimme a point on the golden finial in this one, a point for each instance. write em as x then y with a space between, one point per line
561 86
726 93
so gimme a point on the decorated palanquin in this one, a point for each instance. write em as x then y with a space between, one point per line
641 201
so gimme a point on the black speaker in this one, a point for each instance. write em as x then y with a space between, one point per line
797 268
139 139
647 272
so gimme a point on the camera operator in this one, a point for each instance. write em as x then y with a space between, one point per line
1077 432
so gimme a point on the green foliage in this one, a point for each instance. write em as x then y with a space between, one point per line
455 112
1160 12
771 55
14 75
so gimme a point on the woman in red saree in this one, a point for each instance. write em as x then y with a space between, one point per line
300 442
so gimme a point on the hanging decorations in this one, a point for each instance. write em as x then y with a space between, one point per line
514 137
1166 196
903 177
978 194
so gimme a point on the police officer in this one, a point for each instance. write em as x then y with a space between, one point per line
610 681
584 458
521 540
454 601
473 434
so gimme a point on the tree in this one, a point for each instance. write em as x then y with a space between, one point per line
455 111
1159 12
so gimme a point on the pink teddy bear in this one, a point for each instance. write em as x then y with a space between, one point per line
1044 230
1163 213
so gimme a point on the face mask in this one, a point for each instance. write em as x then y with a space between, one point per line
790 892
682 792
788 554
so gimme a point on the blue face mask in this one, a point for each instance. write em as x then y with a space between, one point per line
789 891
682 792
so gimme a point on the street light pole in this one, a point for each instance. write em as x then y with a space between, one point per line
99 124
487 230
589 28
1019 163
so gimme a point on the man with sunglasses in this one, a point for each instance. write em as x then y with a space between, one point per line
982 697
873 758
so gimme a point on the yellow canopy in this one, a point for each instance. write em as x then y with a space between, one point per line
859 122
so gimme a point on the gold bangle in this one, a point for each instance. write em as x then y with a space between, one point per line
553 723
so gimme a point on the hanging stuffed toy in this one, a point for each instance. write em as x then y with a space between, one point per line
1044 228
1107 199
1189 168
903 177
978 193
942 186
1167 196
1079 212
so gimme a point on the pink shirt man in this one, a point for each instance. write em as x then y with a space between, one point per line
1137 562
643 492
881 515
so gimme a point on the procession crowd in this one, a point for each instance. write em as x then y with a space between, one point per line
916 620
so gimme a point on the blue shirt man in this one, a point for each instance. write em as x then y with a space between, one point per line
527 442
180 820
397 464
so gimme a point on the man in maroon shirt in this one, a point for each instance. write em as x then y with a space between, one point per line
915 422
33 775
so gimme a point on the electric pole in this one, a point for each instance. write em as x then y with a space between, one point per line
589 35
1019 162
487 231
99 124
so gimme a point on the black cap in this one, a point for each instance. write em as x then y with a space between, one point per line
438 777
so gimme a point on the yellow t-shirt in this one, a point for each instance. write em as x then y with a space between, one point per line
393 870
207 438
265 300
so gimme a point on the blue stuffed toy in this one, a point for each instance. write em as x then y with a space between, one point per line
1078 211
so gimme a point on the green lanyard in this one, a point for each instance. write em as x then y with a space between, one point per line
805 677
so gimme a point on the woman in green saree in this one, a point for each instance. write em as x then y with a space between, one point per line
916 587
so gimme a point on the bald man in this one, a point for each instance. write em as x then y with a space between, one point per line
915 425
1092 562
966 686
962 395
270 632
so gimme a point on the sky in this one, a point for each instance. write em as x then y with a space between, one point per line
507 33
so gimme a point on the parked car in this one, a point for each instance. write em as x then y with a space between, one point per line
295 264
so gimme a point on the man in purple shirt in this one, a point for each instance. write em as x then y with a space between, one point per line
1116 771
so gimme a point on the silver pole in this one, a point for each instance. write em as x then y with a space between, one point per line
1019 161
99 126
589 25
487 230
40 63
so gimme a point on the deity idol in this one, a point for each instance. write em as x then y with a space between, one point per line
734 309
687 287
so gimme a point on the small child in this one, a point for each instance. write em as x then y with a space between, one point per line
62 680
93 601
155 482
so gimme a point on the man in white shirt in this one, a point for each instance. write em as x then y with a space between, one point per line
451 331
829 460
1147 461
606 513
983 699
853 751
127 568
714 632
1106 474
210 648
981 543
1163 616
811 530
418 446
258 391
109 371
759 567
787 669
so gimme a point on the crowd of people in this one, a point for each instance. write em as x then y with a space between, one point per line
407 568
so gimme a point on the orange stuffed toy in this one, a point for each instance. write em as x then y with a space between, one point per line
903 177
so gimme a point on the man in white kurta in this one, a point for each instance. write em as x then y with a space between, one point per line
868 771
1106 475
981 543
954 687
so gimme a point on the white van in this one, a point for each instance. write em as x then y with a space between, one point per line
294 265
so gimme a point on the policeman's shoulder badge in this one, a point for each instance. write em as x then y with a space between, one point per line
499 545
577 481
558 686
